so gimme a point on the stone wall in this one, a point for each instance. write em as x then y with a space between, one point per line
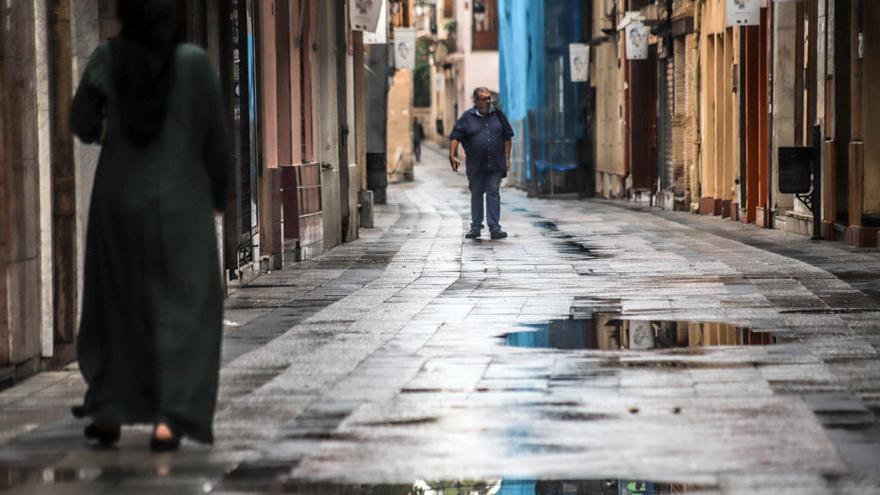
20 316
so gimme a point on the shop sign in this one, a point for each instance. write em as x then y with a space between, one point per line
744 12
364 14
579 59
378 36
641 335
404 48
636 41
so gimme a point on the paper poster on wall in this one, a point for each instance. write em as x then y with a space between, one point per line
364 14
636 41
380 35
744 12
404 48
579 60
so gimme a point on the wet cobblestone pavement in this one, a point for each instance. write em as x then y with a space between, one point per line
602 348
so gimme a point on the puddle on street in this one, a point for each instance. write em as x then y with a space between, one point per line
14 477
610 332
550 226
275 480
502 487
568 245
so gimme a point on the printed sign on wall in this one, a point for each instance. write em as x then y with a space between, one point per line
404 48
744 12
365 14
380 35
636 41
579 60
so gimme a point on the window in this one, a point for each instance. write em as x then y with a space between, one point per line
485 25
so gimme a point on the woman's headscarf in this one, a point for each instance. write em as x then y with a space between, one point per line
143 63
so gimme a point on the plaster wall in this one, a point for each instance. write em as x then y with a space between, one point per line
400 95
476 68
871 131
719 103
609 90
20 270
784 97
41 44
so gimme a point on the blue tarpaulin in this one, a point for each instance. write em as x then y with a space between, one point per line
536 87
517 487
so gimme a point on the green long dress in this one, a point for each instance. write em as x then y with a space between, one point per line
149 338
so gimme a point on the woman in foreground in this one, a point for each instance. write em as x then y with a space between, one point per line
149 338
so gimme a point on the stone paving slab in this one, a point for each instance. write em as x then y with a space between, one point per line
384 361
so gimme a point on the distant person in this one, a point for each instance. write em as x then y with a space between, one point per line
149 338
486 135
418 133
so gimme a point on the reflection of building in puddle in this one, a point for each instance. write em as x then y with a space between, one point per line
610 332
550 487
30 480
444 487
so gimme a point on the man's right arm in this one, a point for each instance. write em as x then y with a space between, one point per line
454 162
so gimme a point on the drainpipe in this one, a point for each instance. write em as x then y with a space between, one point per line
698 153
627 117
741 184
769 207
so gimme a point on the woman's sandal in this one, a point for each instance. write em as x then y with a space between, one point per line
106 435
170 444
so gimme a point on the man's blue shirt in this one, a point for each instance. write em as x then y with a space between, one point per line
483 139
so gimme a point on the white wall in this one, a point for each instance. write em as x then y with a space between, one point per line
478 68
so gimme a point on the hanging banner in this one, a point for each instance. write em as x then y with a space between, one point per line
579 60
404 48
637 41
744 12
364 14
380 35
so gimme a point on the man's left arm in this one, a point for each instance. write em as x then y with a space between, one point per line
507 146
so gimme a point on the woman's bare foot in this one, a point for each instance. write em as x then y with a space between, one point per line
163 432
165 439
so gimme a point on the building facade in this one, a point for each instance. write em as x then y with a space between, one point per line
299 180
696 119
546 108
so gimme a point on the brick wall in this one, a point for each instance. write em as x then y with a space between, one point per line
680 116
665 117
690 130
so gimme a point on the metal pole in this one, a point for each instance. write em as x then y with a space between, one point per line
550 163
816 200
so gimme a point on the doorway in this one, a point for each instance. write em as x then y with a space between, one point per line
755 123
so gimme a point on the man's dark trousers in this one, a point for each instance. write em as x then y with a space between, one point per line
488 185
417 149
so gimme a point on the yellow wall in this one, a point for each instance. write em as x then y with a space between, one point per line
719 103
609 103
400 163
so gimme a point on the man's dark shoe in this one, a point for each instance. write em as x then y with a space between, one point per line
472 234
499 234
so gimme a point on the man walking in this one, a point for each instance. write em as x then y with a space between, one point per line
418 135
486 135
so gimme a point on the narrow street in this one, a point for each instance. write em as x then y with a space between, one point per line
602 342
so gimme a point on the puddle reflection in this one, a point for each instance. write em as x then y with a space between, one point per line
273 482
610 332
500 487
19 476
